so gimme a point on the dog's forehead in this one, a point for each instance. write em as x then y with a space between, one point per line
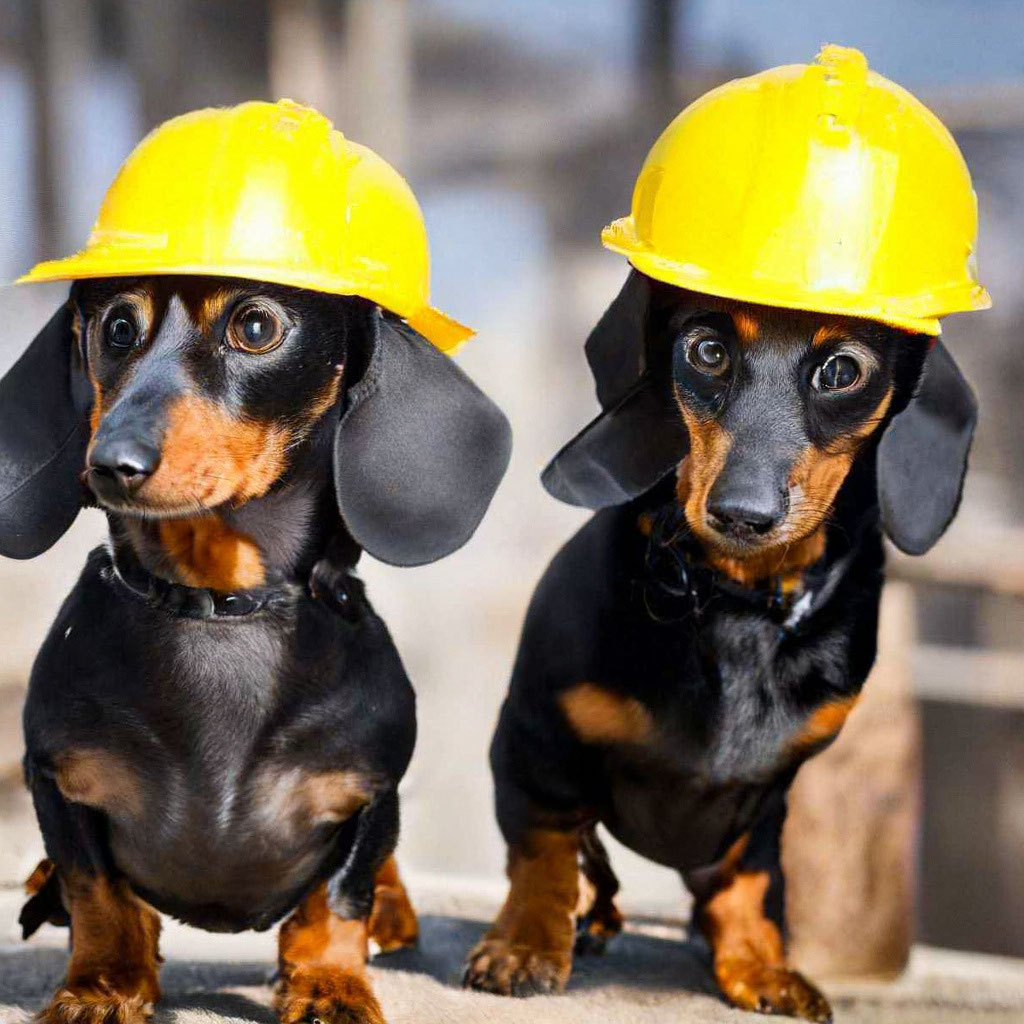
204 299
756 326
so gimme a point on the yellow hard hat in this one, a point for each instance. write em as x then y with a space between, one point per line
270 192
821 186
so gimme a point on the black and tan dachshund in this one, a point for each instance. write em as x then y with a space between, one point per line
218 721
710 628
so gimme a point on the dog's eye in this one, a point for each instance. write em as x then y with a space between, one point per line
708 355
255 329
121 329
837 373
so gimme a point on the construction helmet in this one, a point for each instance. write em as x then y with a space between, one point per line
821 186
270 192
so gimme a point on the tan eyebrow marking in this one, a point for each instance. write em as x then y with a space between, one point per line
211 308
747 327
825 334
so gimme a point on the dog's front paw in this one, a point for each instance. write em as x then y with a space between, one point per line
97 1002
326 997
751 985
511 969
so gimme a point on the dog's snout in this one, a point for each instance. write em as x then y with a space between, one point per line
123 462
746 512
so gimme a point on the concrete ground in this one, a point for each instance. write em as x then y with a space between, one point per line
650 975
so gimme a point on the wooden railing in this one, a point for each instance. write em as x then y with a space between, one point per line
851 841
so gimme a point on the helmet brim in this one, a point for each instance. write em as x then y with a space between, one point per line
685 275
437 327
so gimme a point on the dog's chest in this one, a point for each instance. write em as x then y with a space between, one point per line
748 701
219 799
725 698
728 722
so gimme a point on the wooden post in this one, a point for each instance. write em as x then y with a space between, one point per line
353 63
61 46
657 27
849 847
158 50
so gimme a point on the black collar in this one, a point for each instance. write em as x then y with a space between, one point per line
126 572
678 583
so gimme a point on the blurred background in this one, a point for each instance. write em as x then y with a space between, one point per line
521 125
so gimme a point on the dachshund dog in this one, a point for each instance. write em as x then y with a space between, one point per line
709 629
218 721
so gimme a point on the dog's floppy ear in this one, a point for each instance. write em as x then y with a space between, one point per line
419 450
922 457
639 437
44 431
615 347
621 454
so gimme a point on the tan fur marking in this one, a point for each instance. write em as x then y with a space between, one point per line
41 874
742 939
827 333
113 974
321 959
787 562
96 412
747 328
748 953
709 448
531 941
599 716
871 424
209 308
326 399
210 457
298 801
735 922
98 778
730 862
823 724
331 796
208 553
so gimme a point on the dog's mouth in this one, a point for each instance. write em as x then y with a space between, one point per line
746 540
128 497
740 542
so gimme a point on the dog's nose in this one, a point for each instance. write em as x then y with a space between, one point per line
752 513
125 461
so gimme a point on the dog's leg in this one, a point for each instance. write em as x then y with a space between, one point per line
113 974
322 966
113 977
323 946
393 923
740 911
601 921
529 948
